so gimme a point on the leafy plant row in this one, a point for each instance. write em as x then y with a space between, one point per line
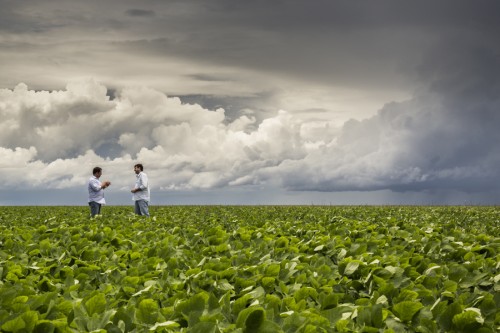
250 269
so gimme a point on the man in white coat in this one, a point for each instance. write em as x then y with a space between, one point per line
141 194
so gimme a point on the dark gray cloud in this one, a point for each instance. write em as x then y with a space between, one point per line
140 13
443 137
327 40
332 41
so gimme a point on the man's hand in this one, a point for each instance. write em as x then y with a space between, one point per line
106 184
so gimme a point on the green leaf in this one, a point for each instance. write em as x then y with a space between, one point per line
468 320
257 292
319 248
112 328
165 324
351 267
147 311
377 318
14 325
364 317
100 321
254 320
267 327
395 326
445 320
337 313
30 318
342 324
406 295
251 318
427 326
96 304
273 270
204 327
197 303
44 327
125 317
407 309
25 322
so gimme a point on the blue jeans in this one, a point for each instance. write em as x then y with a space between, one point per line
95 208
142 207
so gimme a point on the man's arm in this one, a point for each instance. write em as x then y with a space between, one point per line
95 184
143 185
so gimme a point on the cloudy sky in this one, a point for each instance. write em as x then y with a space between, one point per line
251 102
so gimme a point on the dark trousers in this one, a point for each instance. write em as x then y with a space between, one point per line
142 207
95 208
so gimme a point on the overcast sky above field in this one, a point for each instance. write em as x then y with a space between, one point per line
251 102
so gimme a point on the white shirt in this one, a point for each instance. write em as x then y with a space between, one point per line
96 193
141 182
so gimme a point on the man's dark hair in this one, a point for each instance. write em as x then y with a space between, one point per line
96 170
139 166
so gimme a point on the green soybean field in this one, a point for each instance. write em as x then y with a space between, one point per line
250 269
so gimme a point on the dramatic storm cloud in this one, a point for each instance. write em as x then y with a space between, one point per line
443 137
312 98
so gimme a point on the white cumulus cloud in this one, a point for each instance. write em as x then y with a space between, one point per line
54 138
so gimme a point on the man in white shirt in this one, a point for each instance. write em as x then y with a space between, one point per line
141 194
96 192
